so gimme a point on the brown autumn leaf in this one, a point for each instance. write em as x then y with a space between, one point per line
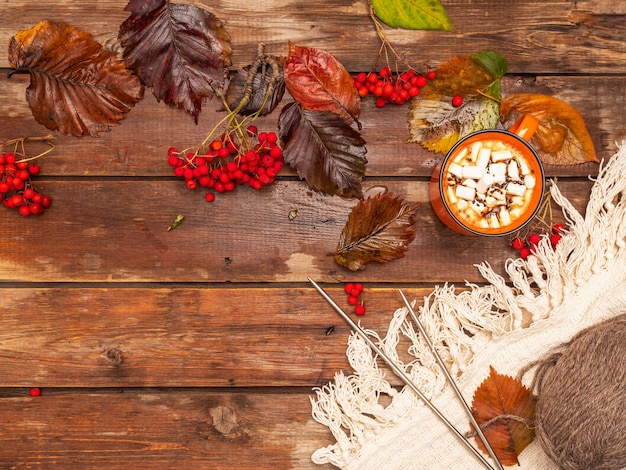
505 409
179 51
323 149
380 228
76 87
562 137
319 82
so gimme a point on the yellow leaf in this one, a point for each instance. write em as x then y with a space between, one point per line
562 137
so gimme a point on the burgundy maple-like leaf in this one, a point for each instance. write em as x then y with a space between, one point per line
323 149
319 82
76 87
179 51
380 228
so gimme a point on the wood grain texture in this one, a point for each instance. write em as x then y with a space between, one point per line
137 147
199 348
159 429
180 336
538 36
110 231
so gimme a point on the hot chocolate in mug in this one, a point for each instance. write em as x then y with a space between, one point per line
491 182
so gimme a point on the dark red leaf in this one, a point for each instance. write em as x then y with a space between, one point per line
319 82
323 149
177 50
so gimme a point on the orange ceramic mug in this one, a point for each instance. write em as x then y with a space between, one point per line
491 182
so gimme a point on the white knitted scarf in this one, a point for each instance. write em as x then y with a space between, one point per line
506 323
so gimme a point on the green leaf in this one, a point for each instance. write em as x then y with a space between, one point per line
493 62
412 14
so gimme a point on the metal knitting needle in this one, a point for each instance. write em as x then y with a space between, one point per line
475 424
357 329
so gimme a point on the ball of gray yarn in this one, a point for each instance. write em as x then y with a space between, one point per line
580 415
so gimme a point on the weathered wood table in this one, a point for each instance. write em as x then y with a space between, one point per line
199 347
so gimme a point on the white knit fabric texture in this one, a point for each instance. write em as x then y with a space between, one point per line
545 301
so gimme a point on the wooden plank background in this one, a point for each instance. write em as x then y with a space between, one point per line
199 347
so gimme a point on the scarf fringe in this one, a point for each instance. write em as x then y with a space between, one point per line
460 323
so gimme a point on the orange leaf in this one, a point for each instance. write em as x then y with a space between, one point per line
504 409
562 137
76 86
319 82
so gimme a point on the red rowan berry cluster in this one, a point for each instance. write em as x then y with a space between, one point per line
527 245
353 291
224 164
389 87
16 188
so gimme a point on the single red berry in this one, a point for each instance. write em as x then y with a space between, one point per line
210 197
420 81
359 287
252 130
385 72
24 210
172 160
457 101
33 169
534 238
272 138
558 228
430 75
524 252
215 145
380 102
35 208
172 151
359 309
555 238
353 300
518 243
35 392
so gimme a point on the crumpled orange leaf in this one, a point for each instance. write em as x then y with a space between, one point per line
76 87
319 82
505 409
562 137
380 228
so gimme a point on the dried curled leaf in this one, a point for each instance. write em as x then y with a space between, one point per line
435 123
177 50
76 87
504 409
380 228
562 137
257 88
323 149
319 82
414 14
